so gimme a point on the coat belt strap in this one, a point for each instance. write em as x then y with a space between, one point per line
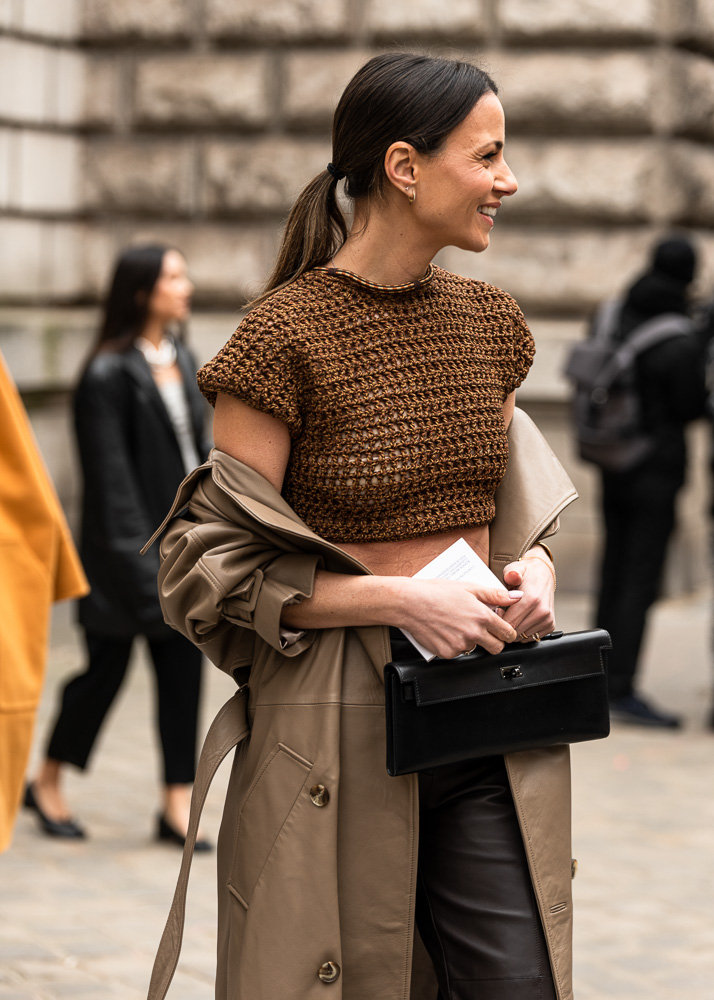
228 729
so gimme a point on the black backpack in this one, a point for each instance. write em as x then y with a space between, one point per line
705 322
607 409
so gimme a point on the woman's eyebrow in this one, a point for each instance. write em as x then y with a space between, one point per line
490 143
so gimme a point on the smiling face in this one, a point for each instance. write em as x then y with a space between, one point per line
459 189
170 298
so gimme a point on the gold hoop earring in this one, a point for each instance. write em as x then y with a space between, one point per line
411 194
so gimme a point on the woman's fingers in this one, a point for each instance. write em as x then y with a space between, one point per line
539 628
490 629
532 611
487 631
492 643
536 586
450 618
515 573
493 597
533 616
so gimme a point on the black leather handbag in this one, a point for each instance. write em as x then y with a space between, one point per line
530 695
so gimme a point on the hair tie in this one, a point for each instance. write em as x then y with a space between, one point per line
335 171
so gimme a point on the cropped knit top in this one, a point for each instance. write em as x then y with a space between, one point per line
393 396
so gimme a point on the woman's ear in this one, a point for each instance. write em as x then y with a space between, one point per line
400 165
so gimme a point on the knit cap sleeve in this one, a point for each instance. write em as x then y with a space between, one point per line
257 366
519 347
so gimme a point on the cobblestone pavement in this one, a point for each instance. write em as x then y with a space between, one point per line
83 920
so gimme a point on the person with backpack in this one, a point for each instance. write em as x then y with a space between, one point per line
658 390
705 321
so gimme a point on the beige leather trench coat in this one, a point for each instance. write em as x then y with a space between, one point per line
317 853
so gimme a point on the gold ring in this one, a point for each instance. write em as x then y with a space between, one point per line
529 638
536 637
467 652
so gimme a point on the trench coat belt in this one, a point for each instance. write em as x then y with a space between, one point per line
228 729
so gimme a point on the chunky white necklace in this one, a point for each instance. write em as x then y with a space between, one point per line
159 357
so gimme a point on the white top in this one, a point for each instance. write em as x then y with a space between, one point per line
174 397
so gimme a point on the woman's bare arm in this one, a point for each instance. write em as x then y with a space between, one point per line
508 408
255 438
447 617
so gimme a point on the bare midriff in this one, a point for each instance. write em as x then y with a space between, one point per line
406 557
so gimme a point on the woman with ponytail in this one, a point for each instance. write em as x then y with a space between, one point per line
361 418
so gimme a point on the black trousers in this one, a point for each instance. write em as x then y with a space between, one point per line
88 696
638 512
476 910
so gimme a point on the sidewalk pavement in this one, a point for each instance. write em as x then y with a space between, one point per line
82 920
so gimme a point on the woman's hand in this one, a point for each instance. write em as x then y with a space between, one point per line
534 612
450 617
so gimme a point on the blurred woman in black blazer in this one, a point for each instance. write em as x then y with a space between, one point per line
139 420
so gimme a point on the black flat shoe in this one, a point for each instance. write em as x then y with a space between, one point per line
635 710
67 829
166 832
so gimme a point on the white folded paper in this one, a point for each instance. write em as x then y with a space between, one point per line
458 562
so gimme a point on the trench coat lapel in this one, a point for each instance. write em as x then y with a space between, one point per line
531 496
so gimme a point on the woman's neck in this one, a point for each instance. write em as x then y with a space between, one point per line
383 248
154 331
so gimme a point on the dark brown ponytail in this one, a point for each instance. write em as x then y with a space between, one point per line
395 96
315 230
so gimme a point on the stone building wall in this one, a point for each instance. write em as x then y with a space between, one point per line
197 121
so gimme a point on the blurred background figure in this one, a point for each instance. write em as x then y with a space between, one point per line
706 325
638 504
139 420
38 565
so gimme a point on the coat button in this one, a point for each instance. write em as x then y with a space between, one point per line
329 972
573 867
320 797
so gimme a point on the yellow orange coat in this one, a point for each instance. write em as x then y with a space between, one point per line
38 565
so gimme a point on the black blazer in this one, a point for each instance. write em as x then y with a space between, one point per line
131 466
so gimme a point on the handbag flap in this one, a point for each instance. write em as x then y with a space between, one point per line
556 658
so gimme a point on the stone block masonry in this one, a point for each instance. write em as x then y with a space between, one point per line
285 21
40 84
587 21
428 20
551 93
262 177
312 84
112 20
154 177
200 91
196 122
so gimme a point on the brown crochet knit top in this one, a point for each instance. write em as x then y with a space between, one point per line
393 396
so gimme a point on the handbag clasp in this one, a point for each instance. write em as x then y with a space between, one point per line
510 673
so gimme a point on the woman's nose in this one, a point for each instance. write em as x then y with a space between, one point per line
506 181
